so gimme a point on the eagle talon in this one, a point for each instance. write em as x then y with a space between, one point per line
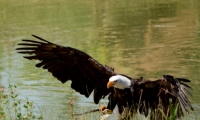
104 110
101 107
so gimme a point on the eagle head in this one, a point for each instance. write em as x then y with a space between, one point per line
119 81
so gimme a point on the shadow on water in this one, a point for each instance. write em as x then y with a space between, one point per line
137 38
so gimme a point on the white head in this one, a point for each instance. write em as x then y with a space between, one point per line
119 81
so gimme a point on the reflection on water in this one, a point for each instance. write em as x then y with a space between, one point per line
140 38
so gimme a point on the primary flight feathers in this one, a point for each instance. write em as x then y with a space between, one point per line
87 75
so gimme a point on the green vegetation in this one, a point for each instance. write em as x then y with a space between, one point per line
173 112
12 108
71 103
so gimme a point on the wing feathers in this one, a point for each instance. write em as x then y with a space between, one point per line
28 44
163 93
183 80
32 41
180 90
66 63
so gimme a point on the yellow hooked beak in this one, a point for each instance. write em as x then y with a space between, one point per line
110 84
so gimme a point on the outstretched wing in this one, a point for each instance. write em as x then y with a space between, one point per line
162 95
66 63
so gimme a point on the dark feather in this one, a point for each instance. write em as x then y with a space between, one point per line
41 38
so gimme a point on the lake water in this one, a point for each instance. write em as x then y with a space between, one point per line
146 38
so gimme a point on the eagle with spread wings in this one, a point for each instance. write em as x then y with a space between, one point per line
88 75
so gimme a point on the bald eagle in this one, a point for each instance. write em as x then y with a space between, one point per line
130 95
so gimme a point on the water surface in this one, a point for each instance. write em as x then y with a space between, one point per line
138 38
